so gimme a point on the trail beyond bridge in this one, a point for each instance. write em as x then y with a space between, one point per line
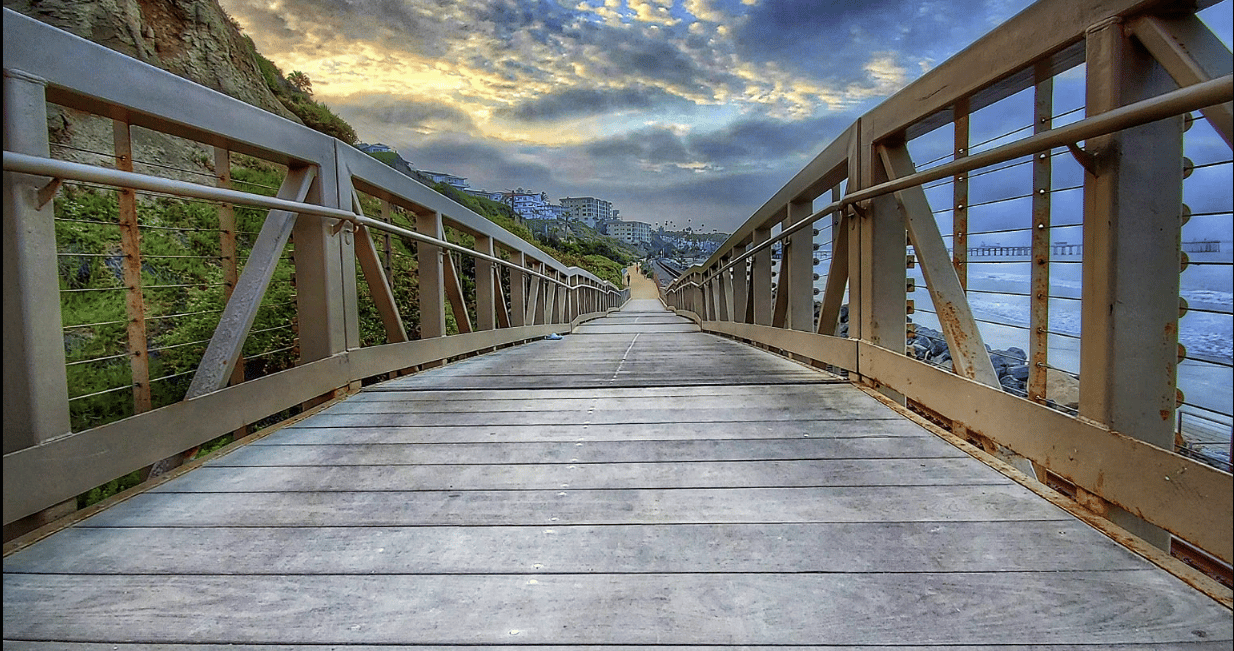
635 483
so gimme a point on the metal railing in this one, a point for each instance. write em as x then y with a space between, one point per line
1117 447
513 292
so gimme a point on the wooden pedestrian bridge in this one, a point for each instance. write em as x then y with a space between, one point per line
519 453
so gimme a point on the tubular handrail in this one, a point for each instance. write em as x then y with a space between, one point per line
58 169
1118 446
1183 100
335 349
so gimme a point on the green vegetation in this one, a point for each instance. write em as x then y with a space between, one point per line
603 256
182 287
183 290
184 283
297 97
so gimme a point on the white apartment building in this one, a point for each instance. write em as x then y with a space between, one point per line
458 182
529 205
589 210
633 232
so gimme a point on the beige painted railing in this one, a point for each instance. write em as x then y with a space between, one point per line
520 293
1146 65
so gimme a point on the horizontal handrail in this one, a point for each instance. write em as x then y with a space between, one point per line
25 164
1183 100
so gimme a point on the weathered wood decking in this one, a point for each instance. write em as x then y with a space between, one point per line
637 483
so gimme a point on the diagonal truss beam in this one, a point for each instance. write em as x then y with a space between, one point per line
228 340
378 283
950 302
454 292
1191 54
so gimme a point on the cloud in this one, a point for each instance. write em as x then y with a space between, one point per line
760 139
744 144
419 114
582 102
491 166
650 147
664 106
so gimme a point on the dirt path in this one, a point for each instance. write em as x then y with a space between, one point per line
640 285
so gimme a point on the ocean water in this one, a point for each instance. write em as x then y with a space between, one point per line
1003 318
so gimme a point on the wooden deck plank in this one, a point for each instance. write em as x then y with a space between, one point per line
622 490
670 431
985 503
586 452
1017 546
78 646
873 608
750 474
803 391
378 414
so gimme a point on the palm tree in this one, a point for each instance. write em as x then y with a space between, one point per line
301 81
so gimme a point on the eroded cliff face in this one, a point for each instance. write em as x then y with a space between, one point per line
194 39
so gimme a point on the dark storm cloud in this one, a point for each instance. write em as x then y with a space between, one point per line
404 112
582 102
760 138
756 142
654 145
833 39
659 60
489 166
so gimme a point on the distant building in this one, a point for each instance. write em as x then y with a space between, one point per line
560 212
589 210
633 232
458 182
387 155
493 196
529 205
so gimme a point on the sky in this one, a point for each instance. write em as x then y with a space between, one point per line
674 110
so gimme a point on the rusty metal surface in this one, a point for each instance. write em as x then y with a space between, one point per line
950 303
1191 54
130 246
959 196
1039 283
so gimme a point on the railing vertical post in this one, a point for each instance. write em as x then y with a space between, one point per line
432 277
837 272
959 193
227 249
36 406
518 290
741 287
1039 319
563 298
714 295
699 297
535 307
229 254
797 269
856 224
724 293
760 277
1132 210
571 298
883 242
388 241
326 270
550 295
130 243
486 290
